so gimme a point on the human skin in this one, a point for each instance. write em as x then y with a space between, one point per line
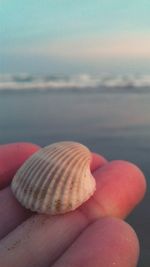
94 235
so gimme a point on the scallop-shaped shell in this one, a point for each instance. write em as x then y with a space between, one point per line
56 179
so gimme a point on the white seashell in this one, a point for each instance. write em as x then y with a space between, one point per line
56 179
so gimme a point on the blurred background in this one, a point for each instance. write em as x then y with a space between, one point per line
79 70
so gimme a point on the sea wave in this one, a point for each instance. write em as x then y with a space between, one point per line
25 82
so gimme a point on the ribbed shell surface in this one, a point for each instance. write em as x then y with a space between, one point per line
56 179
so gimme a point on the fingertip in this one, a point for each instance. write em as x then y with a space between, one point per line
138 180
97 161
12 156
119 238
121 185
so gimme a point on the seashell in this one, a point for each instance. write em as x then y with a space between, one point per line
56 179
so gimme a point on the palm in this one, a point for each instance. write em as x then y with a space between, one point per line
89 236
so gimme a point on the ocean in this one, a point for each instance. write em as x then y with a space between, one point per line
110 114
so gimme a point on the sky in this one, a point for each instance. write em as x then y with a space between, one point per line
74 36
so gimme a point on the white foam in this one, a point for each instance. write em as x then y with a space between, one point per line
84 81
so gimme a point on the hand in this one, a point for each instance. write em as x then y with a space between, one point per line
94 235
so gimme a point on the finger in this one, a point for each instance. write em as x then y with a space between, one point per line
12 157
120 186
40 240
97 162
106 242
12 213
